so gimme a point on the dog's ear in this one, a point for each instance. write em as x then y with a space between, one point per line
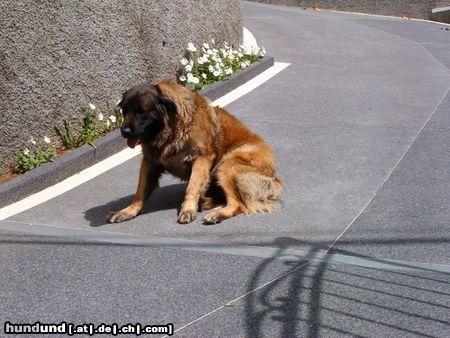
168 104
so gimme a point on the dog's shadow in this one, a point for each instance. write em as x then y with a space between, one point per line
164 198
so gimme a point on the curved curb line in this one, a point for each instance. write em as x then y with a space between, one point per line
78 159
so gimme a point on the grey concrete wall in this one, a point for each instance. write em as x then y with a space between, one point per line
441 3
419 9
58 55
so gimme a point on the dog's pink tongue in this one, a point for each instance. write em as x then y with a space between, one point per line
133 141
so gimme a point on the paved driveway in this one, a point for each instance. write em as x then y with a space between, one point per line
360 125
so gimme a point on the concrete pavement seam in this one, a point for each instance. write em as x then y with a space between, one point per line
391 171
409 41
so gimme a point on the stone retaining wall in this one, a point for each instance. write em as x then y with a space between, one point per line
58 55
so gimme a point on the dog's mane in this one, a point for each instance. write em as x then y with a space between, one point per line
182 97
178 133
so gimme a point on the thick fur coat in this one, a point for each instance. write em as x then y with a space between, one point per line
229 168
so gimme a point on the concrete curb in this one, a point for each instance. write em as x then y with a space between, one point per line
78 159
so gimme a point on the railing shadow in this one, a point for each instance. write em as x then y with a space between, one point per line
315 296
295 302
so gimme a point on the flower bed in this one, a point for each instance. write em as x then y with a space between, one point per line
206 65
34 153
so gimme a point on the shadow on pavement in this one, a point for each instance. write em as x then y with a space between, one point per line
165 198
317 298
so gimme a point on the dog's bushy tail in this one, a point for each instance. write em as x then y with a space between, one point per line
258 193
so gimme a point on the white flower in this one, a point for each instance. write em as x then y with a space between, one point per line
218 60
188 68
247 50
113 119
100 116
182 78
108 124
47 140
240 54
204 75
33 142
91 106
191 47
26 151
192 79
201 60
243 65
211 68
216 73
206 46
228 71
184 61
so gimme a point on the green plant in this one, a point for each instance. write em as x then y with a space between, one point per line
2 172
206 65
94 126
115 116
34 153
66 135
91 129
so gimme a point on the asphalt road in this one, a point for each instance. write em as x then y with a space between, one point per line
360 126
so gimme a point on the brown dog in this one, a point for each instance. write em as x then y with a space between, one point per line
225 164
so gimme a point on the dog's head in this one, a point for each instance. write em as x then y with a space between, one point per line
146 111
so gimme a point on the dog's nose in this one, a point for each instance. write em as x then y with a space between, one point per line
126 132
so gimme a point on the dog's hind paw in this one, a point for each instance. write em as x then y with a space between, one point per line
119 216
212 218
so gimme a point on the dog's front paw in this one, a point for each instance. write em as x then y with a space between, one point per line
186 216
119 216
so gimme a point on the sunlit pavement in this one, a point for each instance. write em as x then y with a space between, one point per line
360 124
